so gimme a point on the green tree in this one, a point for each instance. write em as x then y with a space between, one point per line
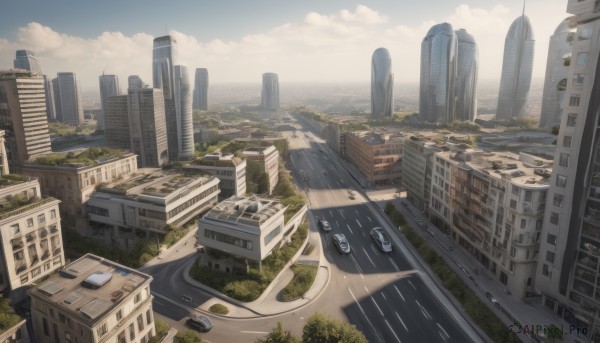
188 336
263 183
279 335
322 329
8 317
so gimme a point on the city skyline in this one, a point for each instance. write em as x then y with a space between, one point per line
304 43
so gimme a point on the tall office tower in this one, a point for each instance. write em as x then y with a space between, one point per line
517 67
147 127
270 92
116 122
438 73
183 110
557 70
466 77
67 100
201 90
567 272
49 91
134 81
26 59
382 84
109 86
23 115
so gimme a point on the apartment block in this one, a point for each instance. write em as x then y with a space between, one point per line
335 135
229 169
93 300
417 165
377 155
268 157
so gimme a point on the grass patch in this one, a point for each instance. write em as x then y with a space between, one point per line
219 309
304 276
474 307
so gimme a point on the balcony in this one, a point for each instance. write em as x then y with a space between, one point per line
43 233
17 243
46 254
20 267
53 229
524 241
56 251
30 236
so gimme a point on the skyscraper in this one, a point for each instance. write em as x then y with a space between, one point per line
557 70
26 59
67 100
134 81
23 116
109 86
466 77
183 110
438 74
270 92
382 84
49 91
517 67
147 127
201 89
567 270
116 122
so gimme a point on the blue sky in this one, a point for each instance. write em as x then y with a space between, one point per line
308 40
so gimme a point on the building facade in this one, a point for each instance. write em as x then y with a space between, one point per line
517 67
269 99
183 109
467 72
25 59
229 169
67 99
382 84
147 127
378 156
16 334
335 135
417 165
134 81
200 101
268 157
93 300
49 91
116 122
109 86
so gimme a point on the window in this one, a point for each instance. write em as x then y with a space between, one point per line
567 141
523 223
528 196
119 315
574 100
577 79
513 252
30 222
102 330
45 324
563 161
140 321
138 297
545 270
269 237
14 229
554 218
52 214
41 218
121 337
551 239
582 58
550 256
558 200
561 180
571 119
513 204
585 33
515 190
148 317
131 332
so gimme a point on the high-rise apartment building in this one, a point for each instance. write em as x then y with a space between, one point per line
134 81
147 127
49 91
27 60
517 66
467 71
567 273
116 120
269 99
200 100
23 115
67 99
382 84
557 70
183 110
109 86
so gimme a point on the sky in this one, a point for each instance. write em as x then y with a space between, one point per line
329 41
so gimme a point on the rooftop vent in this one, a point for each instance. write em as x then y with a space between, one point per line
96 280
50 288
511 166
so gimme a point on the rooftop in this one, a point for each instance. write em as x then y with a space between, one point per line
86 158
91 286
263 150
251 210
219 160
378 138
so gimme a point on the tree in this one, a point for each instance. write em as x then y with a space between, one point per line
8 317
279 335
188 336
263 183
322 329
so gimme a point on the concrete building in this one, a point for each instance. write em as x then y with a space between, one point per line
184 150
134 81
23 116
93 300
378 156
49 91
67 99
73 179
335 135
229 169
25 59
269 99
494 205
268 157
30 235
16 334
148 205
200 101
109 86
147 127
417 165
244 227
116 122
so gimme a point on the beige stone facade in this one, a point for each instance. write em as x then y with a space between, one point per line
378 156
269 160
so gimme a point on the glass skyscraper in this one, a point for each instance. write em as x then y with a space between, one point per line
134 81
270 92
67 99
200 100
517 67
466 77
26 59
382 84
183 110
109 86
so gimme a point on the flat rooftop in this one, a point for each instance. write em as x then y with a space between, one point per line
91 286
251 210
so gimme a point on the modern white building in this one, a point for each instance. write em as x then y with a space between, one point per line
183 110
270 92
25 59
382 84
229 169
268 157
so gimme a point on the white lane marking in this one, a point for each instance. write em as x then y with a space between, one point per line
394 264
331 213
369 218
423 310
445 334
374 249
355 210
413 286
357 266
342 214
399 293
349 229
375 303
256 332
365 315
338 224
392 330
358 223
369 257
384 297
401 321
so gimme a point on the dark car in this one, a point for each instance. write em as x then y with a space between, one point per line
200 323
341 243
381 239
324 225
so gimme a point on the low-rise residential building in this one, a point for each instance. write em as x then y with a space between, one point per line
268 157
72 178
93 300
148 205
493 204
229 169
16 333
378 156
417 163
247 227
30 235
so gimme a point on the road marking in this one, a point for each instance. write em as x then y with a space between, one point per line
357 266
375 302
365 315
349 229
392 330
401 321
399 293
369 218
394 264
374 249
256 332
383 295
369 257
338 224
446 335
423 310
358 223
342 213
413 286
331 213
355 210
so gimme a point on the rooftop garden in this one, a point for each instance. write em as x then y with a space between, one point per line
12 179
88 157
134 181
18 202
8 317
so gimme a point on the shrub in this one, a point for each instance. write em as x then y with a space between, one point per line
244 290
304 276
219 308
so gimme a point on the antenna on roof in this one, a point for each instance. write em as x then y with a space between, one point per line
523 14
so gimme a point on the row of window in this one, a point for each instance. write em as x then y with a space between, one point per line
228 239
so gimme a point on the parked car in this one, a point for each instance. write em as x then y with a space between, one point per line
200 323
324 225
430 231
419 221
341 243
381 239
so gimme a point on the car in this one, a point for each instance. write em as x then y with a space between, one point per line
381 239
430 231
200 323
419 221
341 243
324 225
